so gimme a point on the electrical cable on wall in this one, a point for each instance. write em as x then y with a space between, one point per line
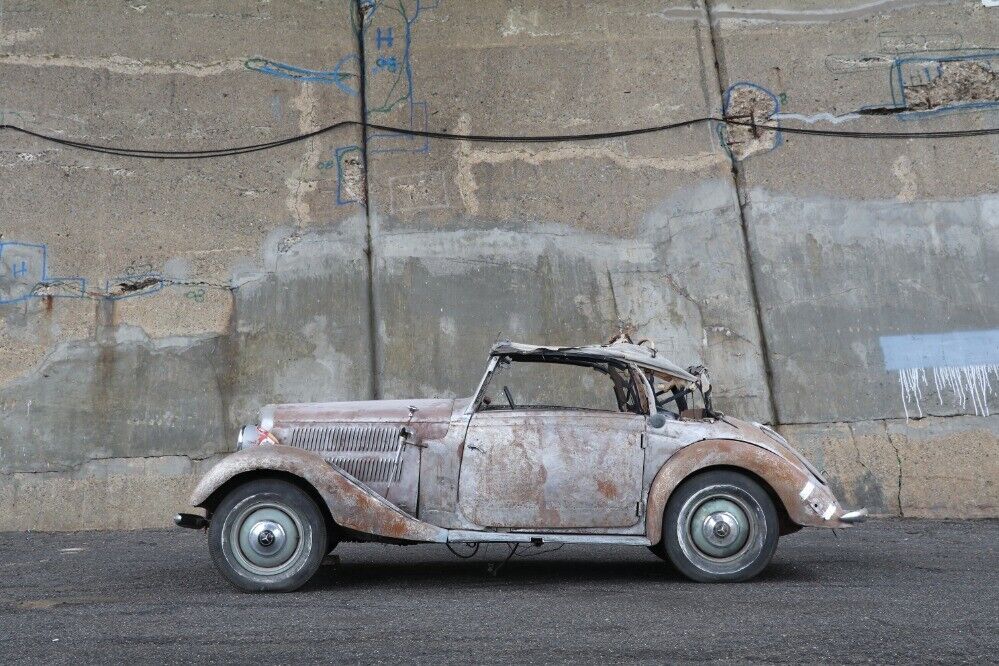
152 153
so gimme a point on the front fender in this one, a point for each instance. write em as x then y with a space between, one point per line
352 505
808 503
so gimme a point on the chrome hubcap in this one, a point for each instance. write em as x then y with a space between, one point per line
266 539
719 527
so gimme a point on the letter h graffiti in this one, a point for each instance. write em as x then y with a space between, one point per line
383 39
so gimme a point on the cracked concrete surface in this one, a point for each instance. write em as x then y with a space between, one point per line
931 468
898 457
265 277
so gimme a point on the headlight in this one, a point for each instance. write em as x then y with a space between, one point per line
247 437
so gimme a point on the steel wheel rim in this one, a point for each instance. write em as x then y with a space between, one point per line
729 562
266 538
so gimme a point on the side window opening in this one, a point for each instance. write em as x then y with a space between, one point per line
536 382
674 397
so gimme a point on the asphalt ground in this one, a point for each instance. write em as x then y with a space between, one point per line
885 592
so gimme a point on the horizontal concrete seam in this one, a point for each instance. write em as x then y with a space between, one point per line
899 419
78 466
122 65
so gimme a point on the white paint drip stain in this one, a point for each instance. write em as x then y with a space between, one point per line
967 384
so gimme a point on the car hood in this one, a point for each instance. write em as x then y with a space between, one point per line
363 411
427 417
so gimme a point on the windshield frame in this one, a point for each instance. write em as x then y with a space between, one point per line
496 361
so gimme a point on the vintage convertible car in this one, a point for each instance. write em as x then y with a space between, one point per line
600 444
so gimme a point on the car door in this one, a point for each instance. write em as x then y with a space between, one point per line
552 467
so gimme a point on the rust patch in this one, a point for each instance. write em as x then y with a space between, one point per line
607 488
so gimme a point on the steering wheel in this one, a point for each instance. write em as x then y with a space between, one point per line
509 397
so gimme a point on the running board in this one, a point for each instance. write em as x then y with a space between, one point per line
472 536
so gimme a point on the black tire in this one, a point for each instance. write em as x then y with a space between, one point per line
267 536
659 550
735 552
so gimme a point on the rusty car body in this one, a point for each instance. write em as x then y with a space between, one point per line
598 444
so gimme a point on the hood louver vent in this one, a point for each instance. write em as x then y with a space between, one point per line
366 452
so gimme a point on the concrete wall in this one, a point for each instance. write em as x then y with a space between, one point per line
833 286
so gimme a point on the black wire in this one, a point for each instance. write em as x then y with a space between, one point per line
542 551
494 569
472 551
151 153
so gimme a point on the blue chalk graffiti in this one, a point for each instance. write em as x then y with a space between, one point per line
10 116
24 271
388 63
337 76
387 28
24 276
386 39
391 87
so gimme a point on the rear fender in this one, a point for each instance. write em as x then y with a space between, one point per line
350 503
805 500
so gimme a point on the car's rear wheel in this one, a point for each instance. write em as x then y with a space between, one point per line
267 535
720 526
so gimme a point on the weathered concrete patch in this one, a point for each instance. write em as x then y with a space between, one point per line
749 103
950 467
855 272
121 397
300 329
443 297
117 493
857 460
107 431
958 82
933 468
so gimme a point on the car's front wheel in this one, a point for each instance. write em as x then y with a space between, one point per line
720 526
267 535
